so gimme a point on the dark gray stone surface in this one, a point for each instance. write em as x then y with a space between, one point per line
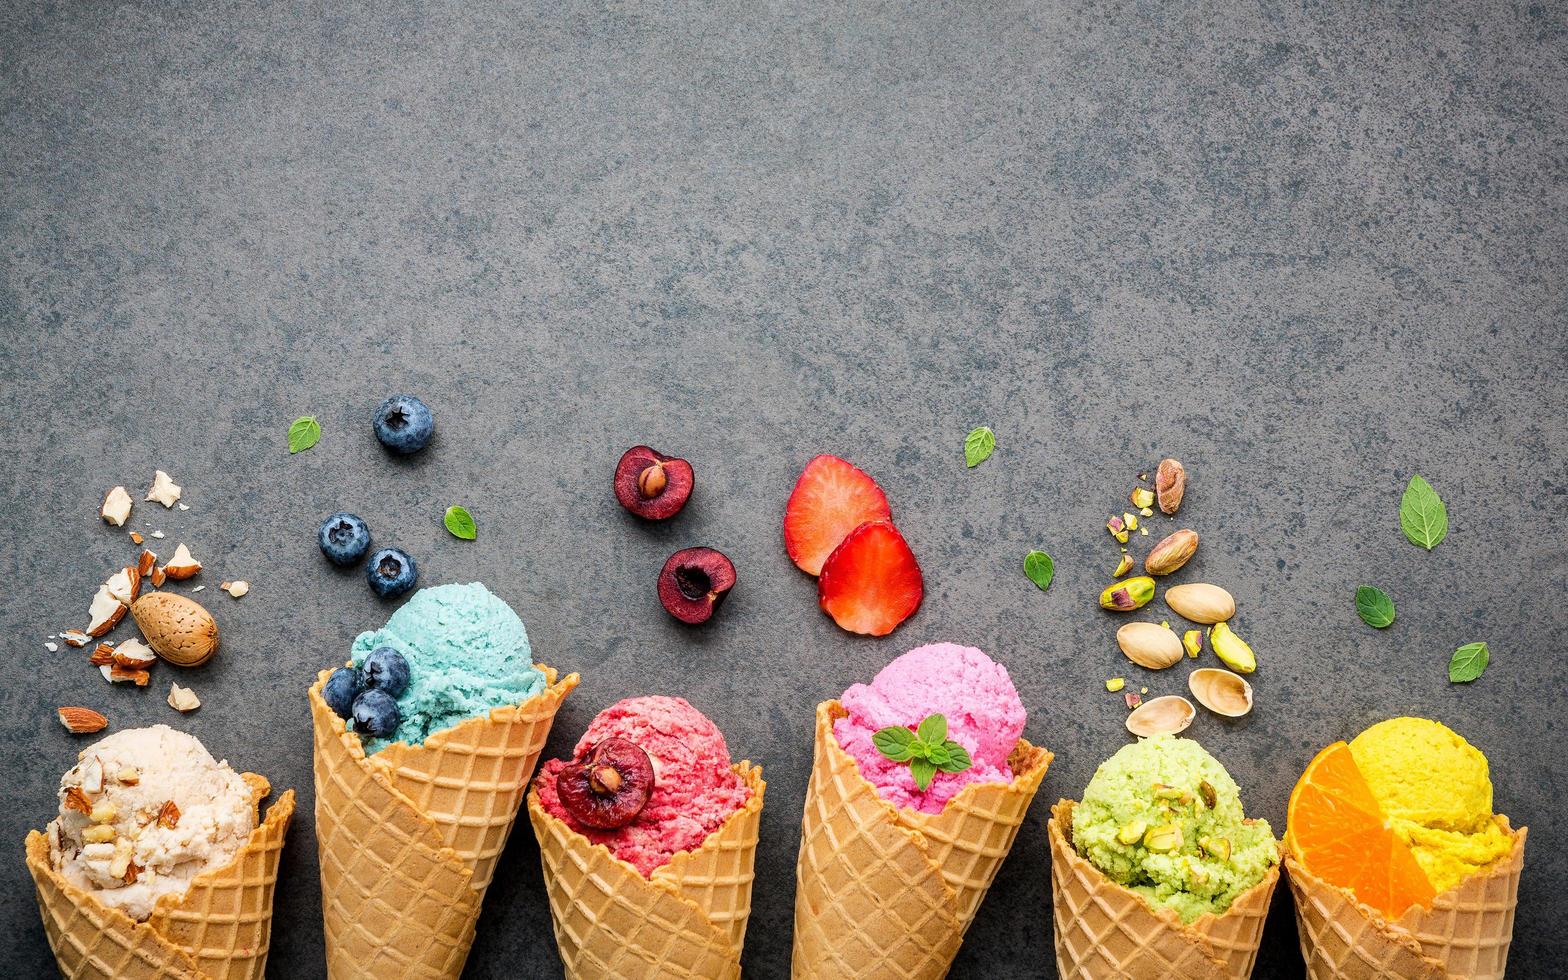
1310 251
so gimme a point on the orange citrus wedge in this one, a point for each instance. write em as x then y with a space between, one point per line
1337 830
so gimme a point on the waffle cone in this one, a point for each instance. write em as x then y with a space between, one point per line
218 930
884 891
1105 930
1466 932
687 920
408 838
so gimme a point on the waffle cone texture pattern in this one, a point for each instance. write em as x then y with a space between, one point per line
888 892
686 921
1466 933
219 929
1104 930
408 838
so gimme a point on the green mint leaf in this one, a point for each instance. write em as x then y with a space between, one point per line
1040 569
1422 515
1374 606
461 523
1468 662
923 770
304 433
957 758
896 743
978 446
937 755
933 731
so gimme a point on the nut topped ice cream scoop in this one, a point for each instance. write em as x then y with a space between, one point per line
891 729
649 778
145 811
451 653
1163 818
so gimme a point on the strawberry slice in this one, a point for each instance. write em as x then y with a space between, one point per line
871 582
830 499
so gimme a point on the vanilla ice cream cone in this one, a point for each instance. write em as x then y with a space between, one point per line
219 929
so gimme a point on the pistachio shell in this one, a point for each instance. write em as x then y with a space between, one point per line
1149 645
1201 602
178 629
1168 715
1221 691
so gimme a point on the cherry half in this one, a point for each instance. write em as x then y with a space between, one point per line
651 485
608 786
694 582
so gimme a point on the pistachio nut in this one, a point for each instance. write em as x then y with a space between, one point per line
1170 482
1117 528
1128 594
1201 602
1142 497
1171 553
1232 649
1149 645
1132 831
1206 791
1168 715
1131 520
1215 847
1123 567
1193 641
1163 839
1115 684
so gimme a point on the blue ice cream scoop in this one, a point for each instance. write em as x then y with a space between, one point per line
467 653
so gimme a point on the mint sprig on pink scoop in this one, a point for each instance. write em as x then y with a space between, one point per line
927 749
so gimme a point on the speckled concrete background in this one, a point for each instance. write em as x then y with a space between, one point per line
1308 251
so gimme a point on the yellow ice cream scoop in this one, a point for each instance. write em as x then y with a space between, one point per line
1435 790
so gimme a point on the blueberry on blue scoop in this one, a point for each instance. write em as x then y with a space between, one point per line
344 538
391 572
340 691
376 714
403 423
385 670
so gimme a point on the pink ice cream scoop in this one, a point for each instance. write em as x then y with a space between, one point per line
694 788
971 690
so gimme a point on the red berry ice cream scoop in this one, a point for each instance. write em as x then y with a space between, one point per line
608 786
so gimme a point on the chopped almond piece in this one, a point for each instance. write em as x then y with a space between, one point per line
136 538
75 638
132 871
104 612
236 589
116 507
81 721
156 576
164 490
125 585
169 816
121 675
182 566
103 654
75 799
134 655
145 563
183 698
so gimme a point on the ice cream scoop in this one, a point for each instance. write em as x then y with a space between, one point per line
694 787
1435 791
978 704
467 653
145 811
1163 818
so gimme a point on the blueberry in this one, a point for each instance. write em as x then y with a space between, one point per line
376 714
344 538
391 572
385 670
340 690
403 424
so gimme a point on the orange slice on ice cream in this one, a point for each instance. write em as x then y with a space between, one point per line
1337 830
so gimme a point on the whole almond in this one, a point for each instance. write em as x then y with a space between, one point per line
1171 553
1149 645
1201 602
1170 482
178 629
